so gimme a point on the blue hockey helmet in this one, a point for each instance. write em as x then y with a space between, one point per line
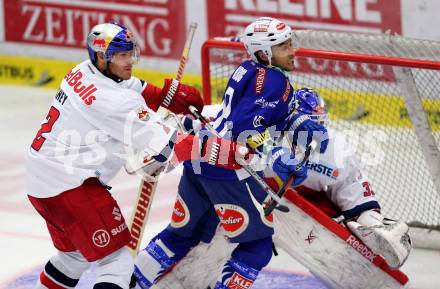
310 103
110 38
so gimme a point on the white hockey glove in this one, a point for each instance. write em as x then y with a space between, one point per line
385 237
182 123
143 164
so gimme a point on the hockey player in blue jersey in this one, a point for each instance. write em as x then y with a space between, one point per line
258 104
337 185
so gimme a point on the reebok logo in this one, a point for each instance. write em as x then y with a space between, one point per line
361 248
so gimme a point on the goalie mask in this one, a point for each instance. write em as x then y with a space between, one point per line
110 38
264 33
310 103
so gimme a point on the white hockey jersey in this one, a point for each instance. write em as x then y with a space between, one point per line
92 124
337 172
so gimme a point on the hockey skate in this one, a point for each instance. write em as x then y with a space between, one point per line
385 237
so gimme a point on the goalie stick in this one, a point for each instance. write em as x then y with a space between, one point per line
147 187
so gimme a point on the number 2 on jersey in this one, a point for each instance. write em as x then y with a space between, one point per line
226 108
46 127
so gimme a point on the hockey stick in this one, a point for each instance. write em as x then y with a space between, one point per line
273 204
147 187
282 205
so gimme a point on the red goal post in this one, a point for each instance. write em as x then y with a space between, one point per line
384 91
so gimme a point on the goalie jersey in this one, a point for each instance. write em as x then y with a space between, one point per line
256 106
338 174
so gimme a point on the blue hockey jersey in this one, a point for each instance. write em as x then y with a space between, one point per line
257 104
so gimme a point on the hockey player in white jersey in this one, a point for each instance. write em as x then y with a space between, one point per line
98 114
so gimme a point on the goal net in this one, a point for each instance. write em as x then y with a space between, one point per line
384 92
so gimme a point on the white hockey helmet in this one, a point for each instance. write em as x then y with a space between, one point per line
264 33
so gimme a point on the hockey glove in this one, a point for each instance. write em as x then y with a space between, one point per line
211 149
177 97
304 130
223 153
284 164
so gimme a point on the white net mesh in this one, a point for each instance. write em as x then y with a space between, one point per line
369 44
366 100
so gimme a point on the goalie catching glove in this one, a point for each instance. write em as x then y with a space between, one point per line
383 236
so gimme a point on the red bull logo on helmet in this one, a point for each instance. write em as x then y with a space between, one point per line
100 43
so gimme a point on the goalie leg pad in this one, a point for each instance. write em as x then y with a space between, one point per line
384 237
159 256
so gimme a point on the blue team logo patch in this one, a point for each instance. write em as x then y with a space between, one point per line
266 280
264 103
258 121
332 173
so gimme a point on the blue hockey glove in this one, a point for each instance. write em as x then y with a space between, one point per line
284 164
305 130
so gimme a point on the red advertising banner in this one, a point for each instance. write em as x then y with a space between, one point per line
159 25
228 17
